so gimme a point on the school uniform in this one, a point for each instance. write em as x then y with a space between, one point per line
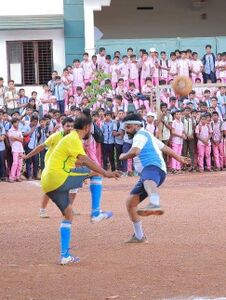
28 148
108 145
204 150
217 144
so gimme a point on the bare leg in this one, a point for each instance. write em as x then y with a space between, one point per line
45 201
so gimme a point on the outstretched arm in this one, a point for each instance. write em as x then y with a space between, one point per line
182 159
86 161
35 151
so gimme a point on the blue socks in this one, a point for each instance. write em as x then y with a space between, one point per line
65 237
96 194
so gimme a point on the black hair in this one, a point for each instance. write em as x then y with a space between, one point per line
2 110
108 113
108 57
172 98
34 118
101 49
65 69
129 49
118 97
208 46
86 53
194 53
189 50
107 81
82 121
163 104
172 54
1 78
125 56
67 120
15 112
76 60
215 113
94 56
133 117
79 88
14 120
57 77
163 52
34 92
206 91
177 50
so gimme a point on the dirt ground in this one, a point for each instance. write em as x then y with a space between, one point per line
185 256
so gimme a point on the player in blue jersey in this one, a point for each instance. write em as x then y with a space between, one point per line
146 152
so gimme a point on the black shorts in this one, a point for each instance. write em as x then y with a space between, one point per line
60 196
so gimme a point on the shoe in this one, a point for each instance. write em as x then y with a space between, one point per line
150 209
19 180
43 214
135 240
103 215
11 181
69 260
29 178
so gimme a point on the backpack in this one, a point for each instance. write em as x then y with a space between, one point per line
97 134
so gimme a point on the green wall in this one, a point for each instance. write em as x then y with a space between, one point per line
167 44
74 35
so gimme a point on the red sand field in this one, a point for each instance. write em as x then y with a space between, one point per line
185 257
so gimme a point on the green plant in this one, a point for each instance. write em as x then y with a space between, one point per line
96 91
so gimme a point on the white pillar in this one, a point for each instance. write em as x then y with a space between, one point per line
89 8
89 29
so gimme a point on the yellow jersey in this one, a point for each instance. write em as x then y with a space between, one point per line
61 161
51 143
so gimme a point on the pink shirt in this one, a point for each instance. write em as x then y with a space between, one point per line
196 66
87 68
184 67
114 73
222 74
146 89
78 99
124 71
223 126
145 69
107 68
173 65
100 61
165 64
133 71
204 132
217 129
150 128
15 145
217 70
178 126
78 76
120 90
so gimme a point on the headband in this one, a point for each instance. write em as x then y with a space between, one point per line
133 122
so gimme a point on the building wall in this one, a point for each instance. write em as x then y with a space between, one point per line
26 7
170 18
58 46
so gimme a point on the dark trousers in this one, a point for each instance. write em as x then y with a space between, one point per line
31 162
61 106
189 147
118 153
211 76
125 148
2 164
42 159
108 153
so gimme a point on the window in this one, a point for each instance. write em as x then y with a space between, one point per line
30 62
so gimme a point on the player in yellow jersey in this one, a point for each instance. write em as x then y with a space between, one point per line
50 143
60 175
